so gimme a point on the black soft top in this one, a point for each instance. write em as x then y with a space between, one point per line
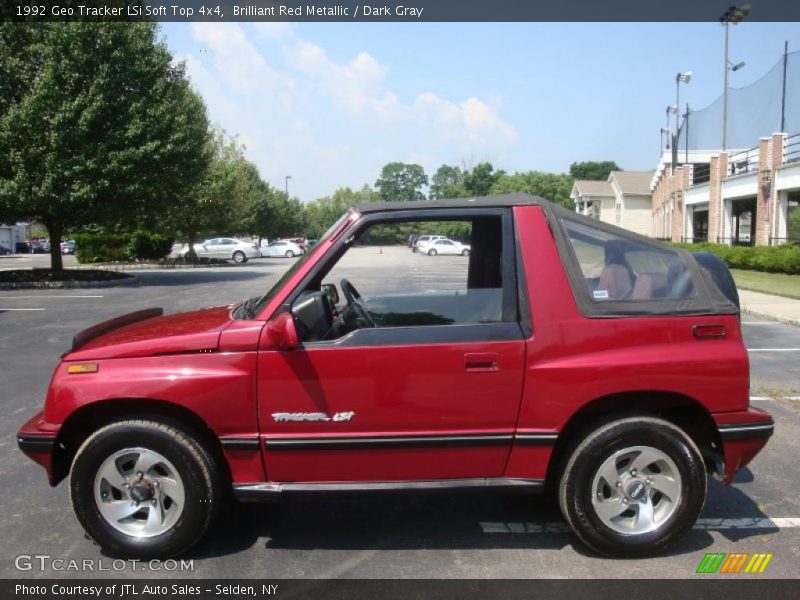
498 201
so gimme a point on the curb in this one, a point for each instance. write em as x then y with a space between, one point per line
772 317
61 285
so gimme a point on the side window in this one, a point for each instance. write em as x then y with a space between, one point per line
620 268
382 283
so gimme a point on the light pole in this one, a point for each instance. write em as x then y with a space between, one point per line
679 79
667 130
286 185
732 15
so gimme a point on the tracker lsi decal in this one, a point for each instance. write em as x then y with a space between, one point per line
285 417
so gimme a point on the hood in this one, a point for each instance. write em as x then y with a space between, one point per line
193 331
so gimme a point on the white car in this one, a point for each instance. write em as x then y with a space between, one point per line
282 248
425 239
443 246
224 248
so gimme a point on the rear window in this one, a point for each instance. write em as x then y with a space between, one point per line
617 268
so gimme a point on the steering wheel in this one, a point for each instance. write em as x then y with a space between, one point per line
350 292
353 304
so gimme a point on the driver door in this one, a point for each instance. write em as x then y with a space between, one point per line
400 403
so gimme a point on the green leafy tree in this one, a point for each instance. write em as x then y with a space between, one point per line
323 212
97 125
218 204
593 170
448 182
401 181
555 187
480 180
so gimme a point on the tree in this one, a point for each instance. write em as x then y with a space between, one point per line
448 182
481 178
593 170
323 212
401 181
97 125
555 187
218 204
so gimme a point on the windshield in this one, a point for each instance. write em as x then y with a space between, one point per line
256 304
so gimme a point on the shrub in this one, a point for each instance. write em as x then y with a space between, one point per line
110 247
149 246
772 259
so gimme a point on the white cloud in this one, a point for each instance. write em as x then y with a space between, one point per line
301 112
274 30
352 85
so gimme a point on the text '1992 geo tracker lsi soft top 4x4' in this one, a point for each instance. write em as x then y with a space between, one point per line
574 356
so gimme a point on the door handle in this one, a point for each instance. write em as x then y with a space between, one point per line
708 331
481 362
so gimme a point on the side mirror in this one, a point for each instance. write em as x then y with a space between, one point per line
281 332
331 292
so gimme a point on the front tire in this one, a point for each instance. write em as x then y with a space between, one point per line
289 254
465 252
432 252
143 489
634 487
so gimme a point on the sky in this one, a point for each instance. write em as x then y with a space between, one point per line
330 103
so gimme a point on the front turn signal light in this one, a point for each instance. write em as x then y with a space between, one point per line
83 368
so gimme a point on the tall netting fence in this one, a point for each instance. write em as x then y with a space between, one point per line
754 111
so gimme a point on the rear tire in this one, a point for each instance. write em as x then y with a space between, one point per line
239 257
289 254
432 252
634 487
162 512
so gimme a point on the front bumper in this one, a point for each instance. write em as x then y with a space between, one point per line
742 434
37 440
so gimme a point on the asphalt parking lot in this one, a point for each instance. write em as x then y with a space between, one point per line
465 535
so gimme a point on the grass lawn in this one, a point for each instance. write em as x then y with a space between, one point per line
769 283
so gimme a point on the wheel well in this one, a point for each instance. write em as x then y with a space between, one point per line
90 417
682 411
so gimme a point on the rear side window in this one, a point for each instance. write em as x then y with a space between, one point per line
617 268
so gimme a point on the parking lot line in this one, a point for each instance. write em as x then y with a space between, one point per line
767 398
710 524
44 297
19 309
773 349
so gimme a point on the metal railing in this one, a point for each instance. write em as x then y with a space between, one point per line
791 148
701 174
694 240
735 241
743 162
779 241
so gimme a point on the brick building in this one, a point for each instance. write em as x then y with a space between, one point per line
741 197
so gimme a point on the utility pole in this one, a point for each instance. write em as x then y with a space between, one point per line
286 185
783 91
679 78
732 15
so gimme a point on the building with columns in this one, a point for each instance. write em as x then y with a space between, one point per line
739 197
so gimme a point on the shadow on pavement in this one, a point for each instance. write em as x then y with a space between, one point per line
409 521
197 276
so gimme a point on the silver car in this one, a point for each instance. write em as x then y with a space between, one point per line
282 248
224 248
